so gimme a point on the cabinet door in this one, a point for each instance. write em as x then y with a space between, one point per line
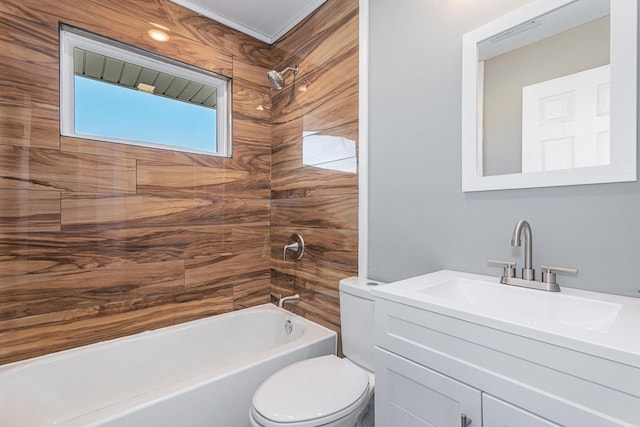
408 395
498 413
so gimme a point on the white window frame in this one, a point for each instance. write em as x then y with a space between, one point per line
71 38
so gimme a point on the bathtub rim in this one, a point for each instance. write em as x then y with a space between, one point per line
314 333
161 330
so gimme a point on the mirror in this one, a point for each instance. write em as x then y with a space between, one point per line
549 96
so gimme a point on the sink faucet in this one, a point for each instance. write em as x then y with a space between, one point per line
528 273
548 282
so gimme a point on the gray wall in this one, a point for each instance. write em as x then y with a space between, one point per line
419 219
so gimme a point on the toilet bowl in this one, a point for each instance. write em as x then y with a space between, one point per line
327 391
323 391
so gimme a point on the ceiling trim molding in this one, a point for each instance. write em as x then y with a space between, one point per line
221 19
295 21
267 38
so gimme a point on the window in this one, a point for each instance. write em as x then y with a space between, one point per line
118 93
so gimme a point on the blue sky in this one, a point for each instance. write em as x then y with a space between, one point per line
105 109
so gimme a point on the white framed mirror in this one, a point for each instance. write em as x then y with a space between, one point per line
549 96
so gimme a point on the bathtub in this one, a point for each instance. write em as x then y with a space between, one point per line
200 373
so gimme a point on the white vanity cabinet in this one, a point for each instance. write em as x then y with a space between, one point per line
435 363
410 395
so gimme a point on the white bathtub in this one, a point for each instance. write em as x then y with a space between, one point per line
201 373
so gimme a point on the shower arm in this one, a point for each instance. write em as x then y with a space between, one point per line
294 69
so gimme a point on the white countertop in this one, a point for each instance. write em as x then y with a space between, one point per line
601 324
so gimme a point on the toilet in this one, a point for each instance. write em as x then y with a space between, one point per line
327 390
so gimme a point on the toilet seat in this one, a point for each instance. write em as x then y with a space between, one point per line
311 392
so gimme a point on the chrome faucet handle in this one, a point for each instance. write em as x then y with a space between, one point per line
549 272
508 267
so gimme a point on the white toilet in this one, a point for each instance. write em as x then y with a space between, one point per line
327 390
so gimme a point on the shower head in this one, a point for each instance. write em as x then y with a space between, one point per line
275 77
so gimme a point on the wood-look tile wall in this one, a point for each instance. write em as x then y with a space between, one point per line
316 111
100 240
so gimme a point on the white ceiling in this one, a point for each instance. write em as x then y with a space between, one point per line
266 20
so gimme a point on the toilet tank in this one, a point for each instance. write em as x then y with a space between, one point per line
357 320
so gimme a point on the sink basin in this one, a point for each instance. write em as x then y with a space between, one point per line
526 306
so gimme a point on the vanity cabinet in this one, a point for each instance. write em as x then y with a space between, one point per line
411 395
432 366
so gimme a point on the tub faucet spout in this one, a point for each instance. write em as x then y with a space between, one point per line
528 273
290 299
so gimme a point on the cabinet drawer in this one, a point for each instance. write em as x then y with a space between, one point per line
498 413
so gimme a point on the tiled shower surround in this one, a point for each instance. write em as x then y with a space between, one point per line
101 240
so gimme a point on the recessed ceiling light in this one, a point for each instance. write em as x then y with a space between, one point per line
158 35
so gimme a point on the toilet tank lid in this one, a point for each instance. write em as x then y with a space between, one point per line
359 286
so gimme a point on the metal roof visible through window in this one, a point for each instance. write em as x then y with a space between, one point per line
110 70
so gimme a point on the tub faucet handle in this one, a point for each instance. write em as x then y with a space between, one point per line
296 245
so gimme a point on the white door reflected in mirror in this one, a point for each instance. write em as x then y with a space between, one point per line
565 122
